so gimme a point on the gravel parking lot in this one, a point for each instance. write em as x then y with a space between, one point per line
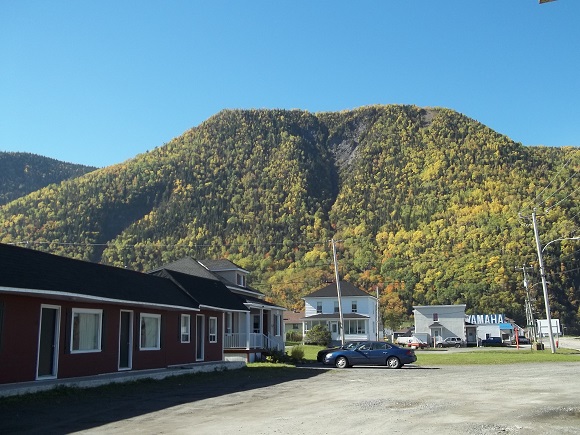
496 399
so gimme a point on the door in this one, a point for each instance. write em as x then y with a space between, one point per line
126 340
200 333
48 341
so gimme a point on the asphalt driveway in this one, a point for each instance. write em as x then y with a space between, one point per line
522 398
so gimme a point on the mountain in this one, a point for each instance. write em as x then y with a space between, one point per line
424 204
22 173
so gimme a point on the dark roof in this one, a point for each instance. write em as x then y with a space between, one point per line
258 301
189 266
222 264
207 292
346 289
336 316
56 276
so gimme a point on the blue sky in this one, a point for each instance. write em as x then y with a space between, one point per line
100 82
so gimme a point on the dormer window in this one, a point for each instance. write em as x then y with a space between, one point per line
240 279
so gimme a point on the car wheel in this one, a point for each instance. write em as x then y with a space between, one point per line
341 362
457 345
439 345
394 363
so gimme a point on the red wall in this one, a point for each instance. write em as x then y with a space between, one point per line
20 329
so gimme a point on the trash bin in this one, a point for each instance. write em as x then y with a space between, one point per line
539 346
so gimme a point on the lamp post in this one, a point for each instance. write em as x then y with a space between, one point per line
543 275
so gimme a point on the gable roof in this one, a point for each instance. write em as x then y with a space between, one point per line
346 289
221 265
188 266
209 293
34 272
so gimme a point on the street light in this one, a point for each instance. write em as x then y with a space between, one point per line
543 275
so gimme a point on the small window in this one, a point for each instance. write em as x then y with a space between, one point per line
86 330
213 327
240 279
318 307
435 317
354 307
150 332
336 307
185 328
256 323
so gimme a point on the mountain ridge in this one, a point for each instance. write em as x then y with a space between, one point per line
425 202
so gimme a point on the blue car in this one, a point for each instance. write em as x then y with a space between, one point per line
371 353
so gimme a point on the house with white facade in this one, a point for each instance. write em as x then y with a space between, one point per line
248 334
438 322
359 312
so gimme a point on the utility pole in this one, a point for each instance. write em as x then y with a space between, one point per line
544 283
529 311
340 323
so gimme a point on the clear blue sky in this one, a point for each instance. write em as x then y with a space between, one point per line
100 82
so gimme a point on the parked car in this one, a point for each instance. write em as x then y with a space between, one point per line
371 353
492 341
412 342
522 340
450 342
322 353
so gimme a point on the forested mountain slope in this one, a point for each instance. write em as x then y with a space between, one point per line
22 173
425 205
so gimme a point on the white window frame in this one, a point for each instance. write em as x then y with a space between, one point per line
213 329
277 325
185 330
240 279
354 307
157 317
76 313
318 307
336 307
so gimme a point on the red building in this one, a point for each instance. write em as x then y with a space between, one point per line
62 318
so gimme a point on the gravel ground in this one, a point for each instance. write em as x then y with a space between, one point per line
496 399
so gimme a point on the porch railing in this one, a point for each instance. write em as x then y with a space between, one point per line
257 341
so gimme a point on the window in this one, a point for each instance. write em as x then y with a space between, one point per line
185 328
318 307
86 330
354 307
335 307
150 332
256 323
435 317
240 280
277 324
213 327
355 326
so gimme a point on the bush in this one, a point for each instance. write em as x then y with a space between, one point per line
319 335
297 353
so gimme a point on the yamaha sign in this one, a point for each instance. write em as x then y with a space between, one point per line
484 319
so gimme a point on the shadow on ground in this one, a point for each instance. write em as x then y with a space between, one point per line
67 410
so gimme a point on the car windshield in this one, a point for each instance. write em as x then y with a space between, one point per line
350 345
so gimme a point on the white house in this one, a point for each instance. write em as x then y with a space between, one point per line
359 312
435 322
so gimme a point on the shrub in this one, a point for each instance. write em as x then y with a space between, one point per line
297 353
319 335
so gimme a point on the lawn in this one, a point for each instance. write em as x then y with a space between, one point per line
476 356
